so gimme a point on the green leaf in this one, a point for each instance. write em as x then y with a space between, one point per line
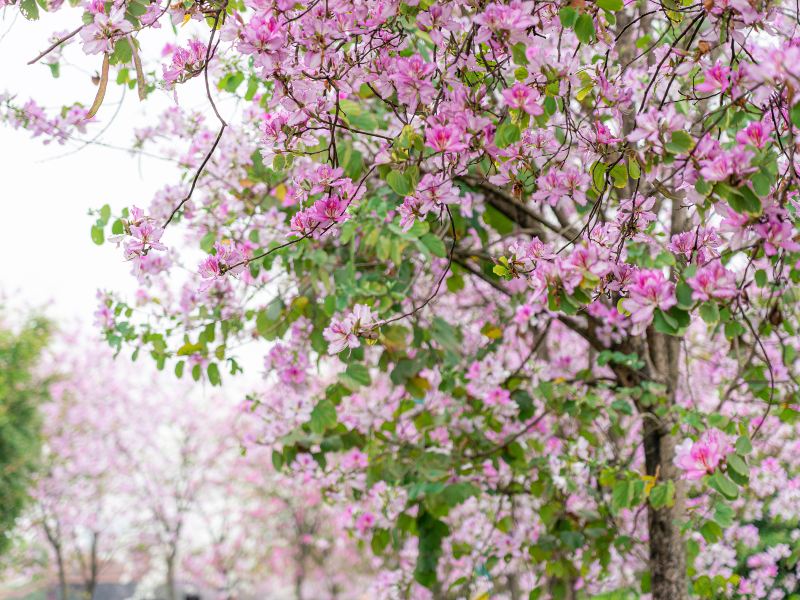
633 168
619 173
762 182
584 28
567 16
380 540
29 9
680 142
400 183
213 374
795 114
709 312
737 464
231 81
683 292
123 53
97 235
323 416
507 133
447 335
518 52
598 175
500 270
662 495
711 532
431 533
358 373
620 496
611 5
671 322
723 515
742 200
457 493
743 445
723 485
434 244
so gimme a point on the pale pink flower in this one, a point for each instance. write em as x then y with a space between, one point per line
702 457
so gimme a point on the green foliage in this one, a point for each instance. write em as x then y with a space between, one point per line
21 392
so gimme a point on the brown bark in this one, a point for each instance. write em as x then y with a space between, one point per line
668 579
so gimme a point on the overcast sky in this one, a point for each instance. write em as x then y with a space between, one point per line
49 257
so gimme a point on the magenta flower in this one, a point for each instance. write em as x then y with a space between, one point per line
717 79
650 290
777 233
712 281
755 134
701 458
186 63
445 138
522 97
604 135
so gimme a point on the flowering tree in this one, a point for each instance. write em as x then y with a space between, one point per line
528 269
158 490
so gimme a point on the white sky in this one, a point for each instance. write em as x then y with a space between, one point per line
49 257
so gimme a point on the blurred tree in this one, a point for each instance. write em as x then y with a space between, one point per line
21 392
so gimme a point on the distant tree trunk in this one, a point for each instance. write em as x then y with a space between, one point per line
91 580
62 575
300 571
171 591
54 537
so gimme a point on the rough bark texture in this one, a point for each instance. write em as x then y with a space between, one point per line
667 548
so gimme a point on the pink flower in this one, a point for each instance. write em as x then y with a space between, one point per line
412 80
100 35
604 135
229 257
432 192
524 98
445 138
702 457
777 233
364 522
186 63
650 290
712 281
755 134
344 333
498 397
144 235
717 79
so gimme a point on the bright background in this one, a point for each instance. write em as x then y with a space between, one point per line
49 258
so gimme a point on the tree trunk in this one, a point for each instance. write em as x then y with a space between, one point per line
62 575
170 582
300 572
668 579
667 548
91 582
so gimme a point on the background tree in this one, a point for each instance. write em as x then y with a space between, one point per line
22 391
